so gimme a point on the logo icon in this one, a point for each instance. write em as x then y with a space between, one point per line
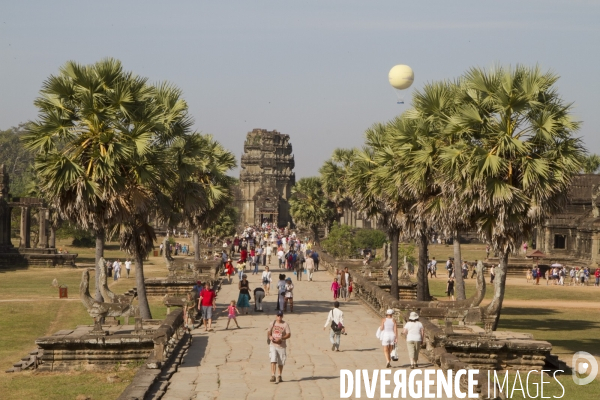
584 363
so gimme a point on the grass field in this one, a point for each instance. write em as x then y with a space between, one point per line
30 308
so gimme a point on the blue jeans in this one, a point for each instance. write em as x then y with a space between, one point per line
334 338
240 273
255 268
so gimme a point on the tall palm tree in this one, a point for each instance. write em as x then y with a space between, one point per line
418 144
333 177
309 206
517 156
591 163
92 119
375 190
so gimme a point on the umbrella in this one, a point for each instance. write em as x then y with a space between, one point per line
556 265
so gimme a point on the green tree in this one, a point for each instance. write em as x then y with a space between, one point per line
334 179
375 191
99 142
591 163
18 160
370 238
309 206
516 156
340 241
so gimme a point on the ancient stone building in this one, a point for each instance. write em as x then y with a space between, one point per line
266 178
42 253
573 236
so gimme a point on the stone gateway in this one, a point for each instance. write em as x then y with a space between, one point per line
266 179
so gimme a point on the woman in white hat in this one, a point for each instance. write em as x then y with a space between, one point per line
389 335
413 330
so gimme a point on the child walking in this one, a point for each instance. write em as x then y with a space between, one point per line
335 288
232 310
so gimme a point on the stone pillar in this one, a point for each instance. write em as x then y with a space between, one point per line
52 241
5 211
549 244
43 237
25 227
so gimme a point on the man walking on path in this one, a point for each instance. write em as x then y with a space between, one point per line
207 304
310 266
278 333
336 315
346 278
128 267
315 256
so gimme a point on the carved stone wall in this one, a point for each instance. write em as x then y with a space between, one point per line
266 178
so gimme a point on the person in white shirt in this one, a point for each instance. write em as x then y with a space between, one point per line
116 270
128 267
266 280
336 315
413 330
269 251
309 264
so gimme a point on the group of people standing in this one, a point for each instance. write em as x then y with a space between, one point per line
114 269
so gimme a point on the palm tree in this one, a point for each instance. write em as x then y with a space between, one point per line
517 156
203 191
418 145
309 206
375 191
591 163
91 121
333 177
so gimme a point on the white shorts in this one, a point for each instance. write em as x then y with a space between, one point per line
387 338
277 355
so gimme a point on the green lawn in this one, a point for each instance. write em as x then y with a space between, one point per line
38 311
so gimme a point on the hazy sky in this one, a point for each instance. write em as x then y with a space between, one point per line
316 70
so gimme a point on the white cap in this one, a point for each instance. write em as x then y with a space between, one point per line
389 312
413 315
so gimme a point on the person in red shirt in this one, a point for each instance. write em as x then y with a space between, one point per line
597 275
243 255
207 304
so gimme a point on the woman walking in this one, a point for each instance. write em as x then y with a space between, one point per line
413 330
244 297
289 295
266 280
281 292
389 335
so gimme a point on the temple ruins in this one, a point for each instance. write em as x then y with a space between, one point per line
266 178
42 253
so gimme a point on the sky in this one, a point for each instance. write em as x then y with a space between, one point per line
315 70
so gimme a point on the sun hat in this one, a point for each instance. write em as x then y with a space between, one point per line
288 279
413 316
389 312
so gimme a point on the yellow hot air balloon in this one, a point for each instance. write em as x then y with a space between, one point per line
401 77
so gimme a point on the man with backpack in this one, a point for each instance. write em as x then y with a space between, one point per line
335 322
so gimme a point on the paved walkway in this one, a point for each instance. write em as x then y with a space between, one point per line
234 363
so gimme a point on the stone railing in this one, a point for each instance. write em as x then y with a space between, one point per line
379 301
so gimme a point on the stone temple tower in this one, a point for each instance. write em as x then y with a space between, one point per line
266 178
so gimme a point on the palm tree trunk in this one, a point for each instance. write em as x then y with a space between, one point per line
394 240
196 239
141 285
166 251
100 236
495 307
315 230
422 281
458 277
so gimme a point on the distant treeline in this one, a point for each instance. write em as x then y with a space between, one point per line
18 161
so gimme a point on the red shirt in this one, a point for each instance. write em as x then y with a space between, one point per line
207 297
243 255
